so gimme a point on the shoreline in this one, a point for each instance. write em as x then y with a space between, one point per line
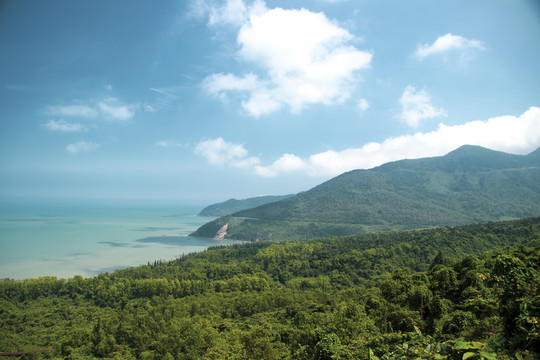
66 240
85 265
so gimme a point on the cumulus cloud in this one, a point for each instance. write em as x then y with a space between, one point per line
448 43
220 152
62 125
305 59
513 134
82 147
416 106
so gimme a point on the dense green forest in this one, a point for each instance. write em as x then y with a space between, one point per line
233 205
469 292
469 185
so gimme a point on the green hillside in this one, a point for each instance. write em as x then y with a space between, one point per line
467 292
232 205
469 185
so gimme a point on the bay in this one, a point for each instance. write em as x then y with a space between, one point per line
68 238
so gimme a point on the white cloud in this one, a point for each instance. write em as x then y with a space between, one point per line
62 125
261 103
362 104
227 12
72 110
416 106
221 152
169 144
82 147
149 108
165 98
246 163
448 43
285 164
167 92
513 134
217 84
519 135
198 9
233 12
305 59
112 109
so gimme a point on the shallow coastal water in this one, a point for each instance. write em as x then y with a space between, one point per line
65 239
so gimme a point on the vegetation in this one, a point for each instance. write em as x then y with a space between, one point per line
469 185
469 292
231 206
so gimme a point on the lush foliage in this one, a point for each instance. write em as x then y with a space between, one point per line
469 185
412 294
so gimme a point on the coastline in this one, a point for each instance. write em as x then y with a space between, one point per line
78 239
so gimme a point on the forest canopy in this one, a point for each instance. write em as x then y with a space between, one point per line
447 293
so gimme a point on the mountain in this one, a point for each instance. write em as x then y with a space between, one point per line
231 206
469 185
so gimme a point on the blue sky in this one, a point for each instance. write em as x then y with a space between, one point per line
204 100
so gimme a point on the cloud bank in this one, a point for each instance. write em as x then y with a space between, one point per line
303 58
513 134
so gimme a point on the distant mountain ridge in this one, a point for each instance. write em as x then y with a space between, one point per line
232 205
468 185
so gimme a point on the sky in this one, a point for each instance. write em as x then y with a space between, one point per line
205 100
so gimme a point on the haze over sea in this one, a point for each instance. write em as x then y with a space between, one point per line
68 238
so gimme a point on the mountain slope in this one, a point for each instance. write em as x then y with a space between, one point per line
470 184
232 205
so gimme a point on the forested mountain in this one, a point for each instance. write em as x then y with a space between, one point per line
232 205
469 185
467 292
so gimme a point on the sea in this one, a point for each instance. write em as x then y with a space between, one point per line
66 238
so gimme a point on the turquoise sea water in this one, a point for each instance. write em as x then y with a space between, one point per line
65 239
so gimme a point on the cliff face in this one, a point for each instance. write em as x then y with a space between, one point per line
220 235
